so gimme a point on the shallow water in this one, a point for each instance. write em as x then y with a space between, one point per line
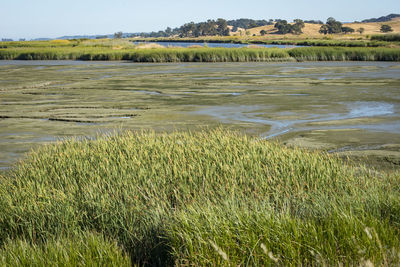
214 45
333 104
279 126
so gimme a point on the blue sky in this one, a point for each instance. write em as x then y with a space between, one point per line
54 18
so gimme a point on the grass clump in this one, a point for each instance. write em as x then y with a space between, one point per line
205 198
86 250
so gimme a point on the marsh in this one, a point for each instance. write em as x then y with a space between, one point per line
349 108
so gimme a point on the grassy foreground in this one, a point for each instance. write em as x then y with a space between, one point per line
206 198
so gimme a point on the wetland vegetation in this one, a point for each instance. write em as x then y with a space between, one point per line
315 104
227 175
129 51
239 143
204 198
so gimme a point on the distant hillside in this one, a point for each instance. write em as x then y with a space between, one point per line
383 18
313 29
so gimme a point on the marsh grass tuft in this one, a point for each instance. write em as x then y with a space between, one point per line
206 198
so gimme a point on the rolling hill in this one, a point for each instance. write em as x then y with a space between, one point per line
312 29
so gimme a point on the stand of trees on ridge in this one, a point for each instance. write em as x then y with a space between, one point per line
209 28
249 23
333 26
220 27
284 27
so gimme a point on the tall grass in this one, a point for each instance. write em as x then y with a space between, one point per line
301 42
386 37
86 250
343 54
204 54
148 55
205 198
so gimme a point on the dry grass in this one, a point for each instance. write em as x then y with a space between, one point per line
195 46
149 46
311 30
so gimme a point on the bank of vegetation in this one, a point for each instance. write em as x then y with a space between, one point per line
202 54
207 198
376 42
386 37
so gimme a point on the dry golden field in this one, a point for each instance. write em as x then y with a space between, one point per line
311 30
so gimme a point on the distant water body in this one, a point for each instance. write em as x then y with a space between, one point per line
214 45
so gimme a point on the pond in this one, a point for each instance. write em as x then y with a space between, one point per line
214 45
348 108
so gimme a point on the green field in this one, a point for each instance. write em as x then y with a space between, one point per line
205 198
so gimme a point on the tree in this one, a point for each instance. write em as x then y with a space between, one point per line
331 26
347 30
168 31
324 29
334 26
386 28
222 27
299 22
263 32
118 35
360 30
297 26
282 26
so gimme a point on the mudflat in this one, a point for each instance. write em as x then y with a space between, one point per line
348 108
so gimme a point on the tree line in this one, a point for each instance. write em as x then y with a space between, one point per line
222 27
332 26
208 28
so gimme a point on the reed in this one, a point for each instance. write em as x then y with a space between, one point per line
344 54
204 54
205 198
86 250
386 37
299 42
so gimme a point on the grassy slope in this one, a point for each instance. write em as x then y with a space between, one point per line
311 30
208 198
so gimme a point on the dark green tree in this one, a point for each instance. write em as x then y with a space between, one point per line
263 32
299 22
283 27
386 28
118 35
168 31
222 27
360 30
324 29
347 30
297 27
334 26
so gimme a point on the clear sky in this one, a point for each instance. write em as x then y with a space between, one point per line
55 18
